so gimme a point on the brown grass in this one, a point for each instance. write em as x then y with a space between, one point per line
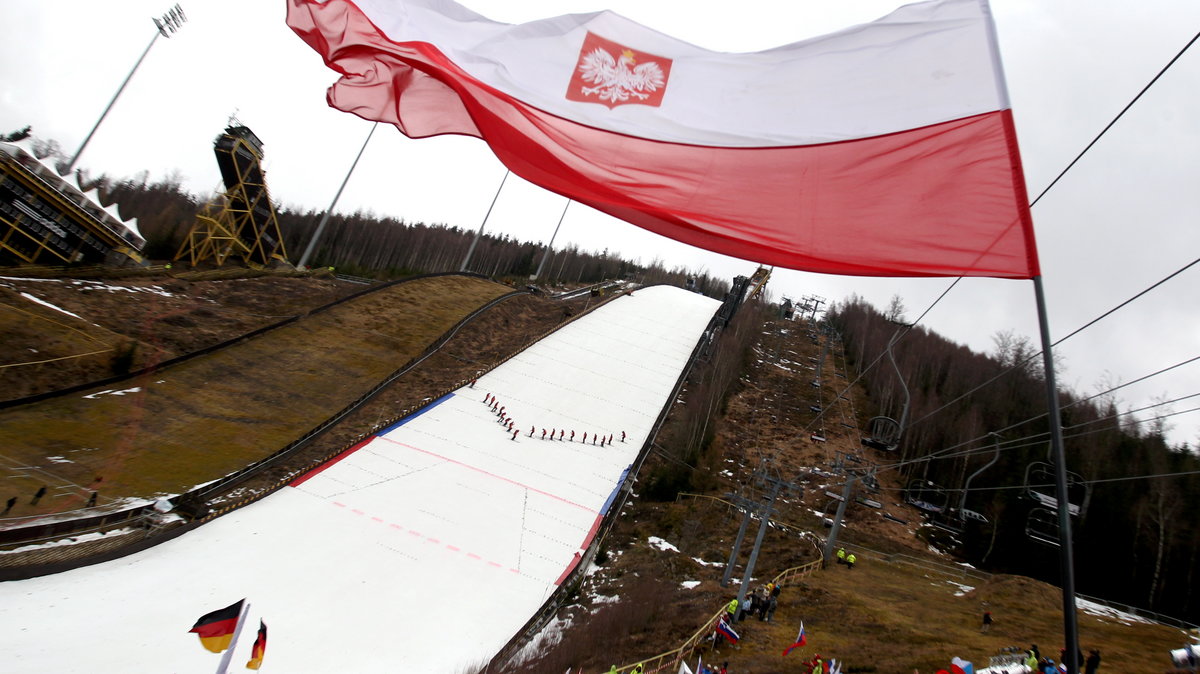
208 417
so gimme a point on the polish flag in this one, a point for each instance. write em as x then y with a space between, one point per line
885 149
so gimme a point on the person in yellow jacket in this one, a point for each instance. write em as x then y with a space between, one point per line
841 555
731 609
850 560
638 669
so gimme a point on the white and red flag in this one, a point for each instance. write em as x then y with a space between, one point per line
885 149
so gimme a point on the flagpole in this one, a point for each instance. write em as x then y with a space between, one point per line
475 241
1066 558
312 243
550 246
223 668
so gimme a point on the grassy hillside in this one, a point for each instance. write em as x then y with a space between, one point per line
170 430
645 598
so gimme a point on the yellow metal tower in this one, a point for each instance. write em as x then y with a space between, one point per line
240 223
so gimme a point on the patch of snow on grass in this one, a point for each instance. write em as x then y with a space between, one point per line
59 459
44 303
548 638
701 562
962 589
1092 608
112 392
659 543
689 584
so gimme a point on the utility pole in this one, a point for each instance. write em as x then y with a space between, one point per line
750 506
475 241
171 21
312 243
837 522
762 478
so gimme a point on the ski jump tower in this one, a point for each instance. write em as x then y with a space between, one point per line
241 222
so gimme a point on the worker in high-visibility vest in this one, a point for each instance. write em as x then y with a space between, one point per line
638 669
731 609
841 555
850 560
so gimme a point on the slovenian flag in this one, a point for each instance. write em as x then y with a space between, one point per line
884 149
800 640
724 629
216 629
260 647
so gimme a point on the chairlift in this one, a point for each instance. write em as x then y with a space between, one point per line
967 514
870 481
1040 478
964 513
1042 526
889 516
884 434
946 521
927 496
869 502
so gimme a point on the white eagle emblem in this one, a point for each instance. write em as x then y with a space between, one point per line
616 79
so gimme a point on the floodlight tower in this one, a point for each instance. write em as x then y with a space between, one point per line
170 22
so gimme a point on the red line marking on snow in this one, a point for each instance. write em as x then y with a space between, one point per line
567 571
490 474
321 468
587 540
431 539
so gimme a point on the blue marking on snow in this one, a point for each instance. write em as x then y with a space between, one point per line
410 417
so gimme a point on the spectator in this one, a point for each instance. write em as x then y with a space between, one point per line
1093 661
987 622
11 502
38 495
772 603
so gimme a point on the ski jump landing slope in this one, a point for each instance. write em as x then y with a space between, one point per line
424 550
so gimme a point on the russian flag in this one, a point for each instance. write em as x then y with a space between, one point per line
884 149
800 640
724 629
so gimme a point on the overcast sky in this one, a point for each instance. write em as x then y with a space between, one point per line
1123 218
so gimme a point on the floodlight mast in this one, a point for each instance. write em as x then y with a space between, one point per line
171 21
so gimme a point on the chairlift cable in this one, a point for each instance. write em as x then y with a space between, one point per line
1114 120
1040 437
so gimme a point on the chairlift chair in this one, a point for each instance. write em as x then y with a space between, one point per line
1041 526
1040 478
884 434
927 496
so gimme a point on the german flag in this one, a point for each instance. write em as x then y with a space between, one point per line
216 629
260 647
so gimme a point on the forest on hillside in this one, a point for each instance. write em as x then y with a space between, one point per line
1135 538
384 247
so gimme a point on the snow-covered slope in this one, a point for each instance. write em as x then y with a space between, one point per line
423 551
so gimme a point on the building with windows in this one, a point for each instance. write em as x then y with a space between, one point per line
47 218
